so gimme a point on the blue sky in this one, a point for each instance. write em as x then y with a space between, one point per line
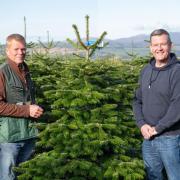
120 18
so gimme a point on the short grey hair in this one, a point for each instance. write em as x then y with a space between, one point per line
17 37
158 32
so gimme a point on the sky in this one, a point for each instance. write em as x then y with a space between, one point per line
119 18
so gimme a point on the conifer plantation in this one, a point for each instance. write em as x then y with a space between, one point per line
88 130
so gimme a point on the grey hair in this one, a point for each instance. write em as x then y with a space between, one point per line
17 37
158 32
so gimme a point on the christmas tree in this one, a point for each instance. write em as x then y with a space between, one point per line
91 133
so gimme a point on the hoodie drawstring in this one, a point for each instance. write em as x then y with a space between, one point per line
152 80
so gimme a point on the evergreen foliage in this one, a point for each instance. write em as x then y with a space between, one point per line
90 132
89 48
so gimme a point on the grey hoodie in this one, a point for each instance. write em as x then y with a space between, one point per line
157 100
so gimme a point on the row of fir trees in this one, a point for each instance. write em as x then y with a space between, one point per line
88 130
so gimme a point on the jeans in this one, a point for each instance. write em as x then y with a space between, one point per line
160 153
11 154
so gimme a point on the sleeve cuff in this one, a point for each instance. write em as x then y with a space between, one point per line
140 123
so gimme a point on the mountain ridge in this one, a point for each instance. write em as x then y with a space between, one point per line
137 41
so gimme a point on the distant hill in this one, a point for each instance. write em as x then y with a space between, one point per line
138 41
120 47
137 45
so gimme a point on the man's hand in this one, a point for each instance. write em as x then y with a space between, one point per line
147 131
35 111
154 131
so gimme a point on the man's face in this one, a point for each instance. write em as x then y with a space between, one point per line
160 47
16 51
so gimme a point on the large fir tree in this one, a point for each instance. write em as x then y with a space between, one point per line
90 132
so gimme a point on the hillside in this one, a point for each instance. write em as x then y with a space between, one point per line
134 45
119 48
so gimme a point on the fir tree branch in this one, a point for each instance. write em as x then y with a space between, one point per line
78 36
87 28
78 55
